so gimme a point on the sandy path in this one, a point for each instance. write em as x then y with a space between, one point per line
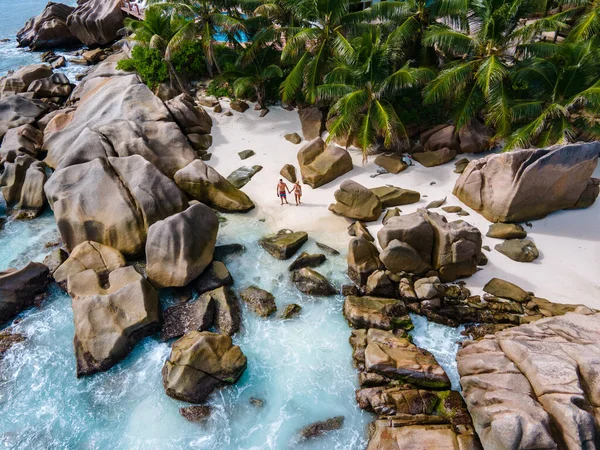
567 271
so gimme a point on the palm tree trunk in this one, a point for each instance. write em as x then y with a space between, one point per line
174 76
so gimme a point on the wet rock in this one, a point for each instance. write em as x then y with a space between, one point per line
17 110
199 363
197 414
359 229
215 276
435 158
363 260
505 289
289 173
8 339
110 322
222 252
327 249
534 182
376 312
307 260
312 120
240 177
55 259
506 231
312 282
95 22
205 184
428 288
319 428
393 162
49 29
294 138
354 201
379 284
259 301
292 310
283 244
239 106
521 250
320 164
525 388
19 288
393 196
228 316
189 316
245 154
257 402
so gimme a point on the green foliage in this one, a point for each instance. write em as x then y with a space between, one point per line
148 63
189 60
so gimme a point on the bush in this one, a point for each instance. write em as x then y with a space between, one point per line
149 65
189 60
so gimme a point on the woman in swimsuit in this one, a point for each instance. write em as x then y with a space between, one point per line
297 192
282 191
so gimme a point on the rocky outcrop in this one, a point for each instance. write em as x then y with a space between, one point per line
57 87
206 185
215 276
49 29
228 316
355 201
363 260
284 244
189 117
189 316
110 322
425 239
112 201
23 140
320 164
19 288
17 110
534 386
23 186
528 184
89 256
117 116
474 137
181 246
312 120
259 301
199 363
96 22
375 312
20 80
312 282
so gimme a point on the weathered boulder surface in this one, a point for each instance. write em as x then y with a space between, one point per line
56 85
521 250
241 176
96 22
20 80
228 316
451 248
18 288
17 110
535 386
199 363
393 162
23 186
375 312
355 201
312 282
506 231
436 157
363 260
110 322
259 301
23 140
213 277
528 184
181 246
320 164
89 256
112 201
289 173
206 185
117 115
189 316
189 117
283 244
312 120
49 29
394 196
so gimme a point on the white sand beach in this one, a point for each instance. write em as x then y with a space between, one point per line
569 242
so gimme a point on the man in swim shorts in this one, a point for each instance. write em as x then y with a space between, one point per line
282 191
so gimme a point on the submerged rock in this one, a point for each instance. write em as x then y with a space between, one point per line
199 363
291 311
283 244
307 260
319 428
110 322
320 164
196 413
356 202
528 184
521 250
259 301
312 282
19 288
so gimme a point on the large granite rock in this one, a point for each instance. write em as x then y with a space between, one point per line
213 277
17 110
181 246
205 184
320 164
259 301
20 80
111 201
110 322
425 239
96 22
199 363
535 386
392 162
375 312
55 86
117 115
528 184
394 196
49 29
89 256
18 288
312 282
355 201
190 117
312 120
22 185
363 260
228 316
23 140
189 316
436 157
443 136
474 137
284 244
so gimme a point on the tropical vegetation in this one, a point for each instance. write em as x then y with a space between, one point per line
528 69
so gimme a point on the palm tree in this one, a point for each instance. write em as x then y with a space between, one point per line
480 48
363 84
203 20
559 98
588 22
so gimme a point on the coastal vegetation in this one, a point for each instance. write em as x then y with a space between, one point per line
528 69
